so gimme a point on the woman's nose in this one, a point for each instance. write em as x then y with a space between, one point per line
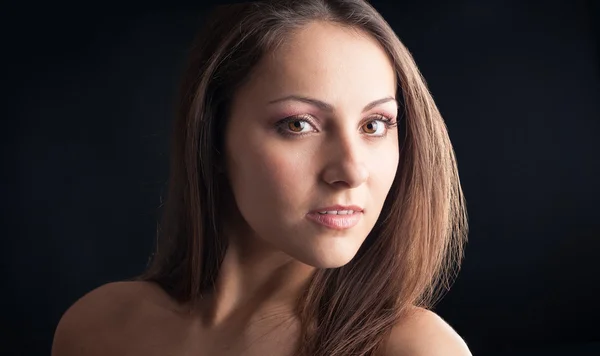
345 165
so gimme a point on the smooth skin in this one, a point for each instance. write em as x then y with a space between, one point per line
313 127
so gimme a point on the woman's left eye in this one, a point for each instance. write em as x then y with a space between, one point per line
377 127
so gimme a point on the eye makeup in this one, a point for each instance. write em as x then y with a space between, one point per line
307 121
282 126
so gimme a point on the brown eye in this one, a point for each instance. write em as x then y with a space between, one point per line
296 125
371 127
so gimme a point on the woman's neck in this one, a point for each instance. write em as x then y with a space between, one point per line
255 283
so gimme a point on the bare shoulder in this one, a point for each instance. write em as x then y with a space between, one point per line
90 326
424 333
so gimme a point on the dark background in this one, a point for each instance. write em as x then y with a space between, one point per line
88 99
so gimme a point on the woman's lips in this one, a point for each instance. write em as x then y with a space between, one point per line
336 222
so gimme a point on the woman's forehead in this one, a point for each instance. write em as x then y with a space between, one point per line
326 61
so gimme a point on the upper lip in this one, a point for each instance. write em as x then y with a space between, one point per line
338 208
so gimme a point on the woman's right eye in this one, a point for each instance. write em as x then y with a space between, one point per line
295 126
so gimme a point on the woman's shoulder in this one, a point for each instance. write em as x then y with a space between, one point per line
423 332
89 325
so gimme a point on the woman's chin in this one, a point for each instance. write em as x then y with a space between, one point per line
327 257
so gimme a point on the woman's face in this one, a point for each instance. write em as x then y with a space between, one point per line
310 132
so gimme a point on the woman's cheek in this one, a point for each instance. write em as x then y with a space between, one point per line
285 166
388 172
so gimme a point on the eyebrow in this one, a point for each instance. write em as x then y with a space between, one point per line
328 107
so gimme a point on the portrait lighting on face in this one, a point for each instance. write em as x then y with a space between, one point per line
312 146
313 204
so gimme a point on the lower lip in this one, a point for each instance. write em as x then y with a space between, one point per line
336 222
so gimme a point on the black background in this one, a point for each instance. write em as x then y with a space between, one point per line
89 93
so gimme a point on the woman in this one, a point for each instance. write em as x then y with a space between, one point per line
314 204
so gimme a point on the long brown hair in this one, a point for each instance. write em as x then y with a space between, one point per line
415 248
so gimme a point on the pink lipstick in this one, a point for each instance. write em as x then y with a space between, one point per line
337 217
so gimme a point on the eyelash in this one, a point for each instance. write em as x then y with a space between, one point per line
387 121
